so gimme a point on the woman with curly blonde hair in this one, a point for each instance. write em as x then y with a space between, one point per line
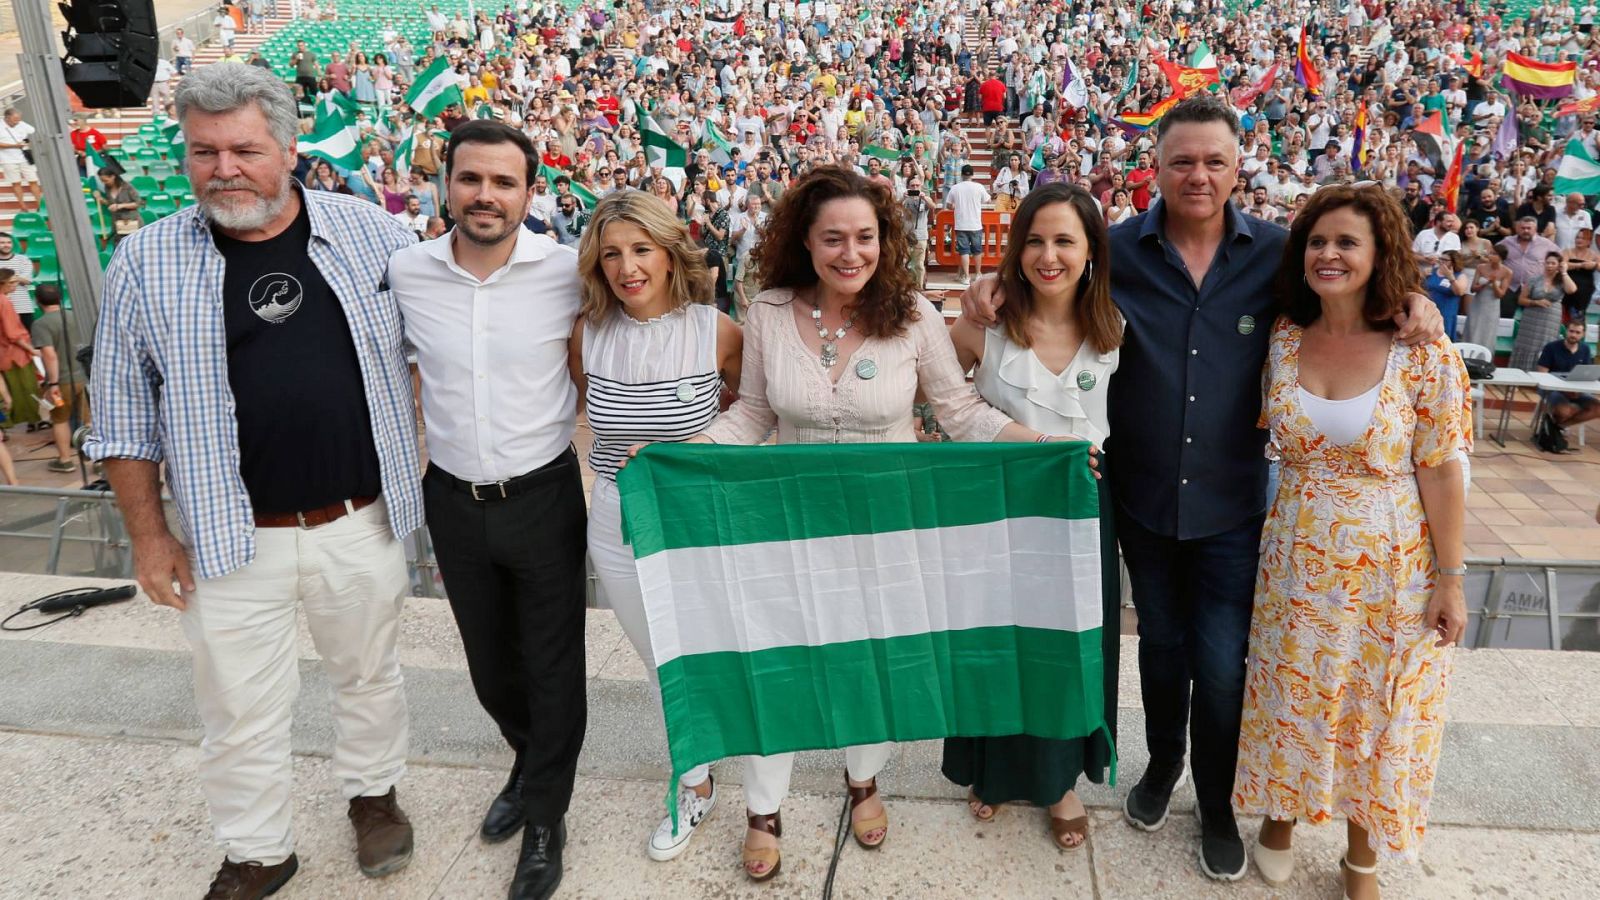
650 358
837 345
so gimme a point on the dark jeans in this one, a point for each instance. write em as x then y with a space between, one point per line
1194 600
514 572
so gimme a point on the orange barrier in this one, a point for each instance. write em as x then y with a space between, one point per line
995 227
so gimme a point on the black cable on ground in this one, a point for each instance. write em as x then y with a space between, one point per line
838 847
70 603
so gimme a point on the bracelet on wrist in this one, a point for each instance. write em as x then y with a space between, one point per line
1458 571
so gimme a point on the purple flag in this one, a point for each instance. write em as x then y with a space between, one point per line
1505 140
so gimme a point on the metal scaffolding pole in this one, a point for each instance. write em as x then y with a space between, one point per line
46 87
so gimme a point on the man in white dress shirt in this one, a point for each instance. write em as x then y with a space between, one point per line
489 307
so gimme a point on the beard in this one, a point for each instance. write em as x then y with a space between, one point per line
242 215
487 234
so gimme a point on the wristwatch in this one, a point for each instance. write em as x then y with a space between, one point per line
1453 570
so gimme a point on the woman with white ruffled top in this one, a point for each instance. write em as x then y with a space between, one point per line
1047 364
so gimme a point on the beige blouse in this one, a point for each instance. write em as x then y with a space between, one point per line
783 383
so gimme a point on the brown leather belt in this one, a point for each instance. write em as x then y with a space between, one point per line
312 518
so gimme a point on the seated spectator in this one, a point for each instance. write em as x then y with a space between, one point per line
1564 355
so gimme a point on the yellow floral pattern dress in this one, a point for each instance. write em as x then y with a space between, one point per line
1345 689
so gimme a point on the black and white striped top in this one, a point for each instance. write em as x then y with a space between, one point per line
649 381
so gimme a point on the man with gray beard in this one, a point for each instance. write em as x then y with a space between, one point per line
250 344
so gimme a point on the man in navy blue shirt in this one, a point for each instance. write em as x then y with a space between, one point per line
1193 278
1564 356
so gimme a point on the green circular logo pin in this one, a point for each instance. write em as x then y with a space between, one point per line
866 369
685 392
1086 381
1247 324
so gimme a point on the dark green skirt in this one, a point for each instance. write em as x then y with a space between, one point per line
1020 768
24 388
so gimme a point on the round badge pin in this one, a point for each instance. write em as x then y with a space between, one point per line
1086 381
1247 324
685 392
866 369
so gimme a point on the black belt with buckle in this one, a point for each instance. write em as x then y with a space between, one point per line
487 491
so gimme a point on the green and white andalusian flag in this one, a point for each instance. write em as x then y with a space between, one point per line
817 596
661 150
435 89
1579 172
717 142
333 140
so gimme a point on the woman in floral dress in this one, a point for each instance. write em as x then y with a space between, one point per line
1360 586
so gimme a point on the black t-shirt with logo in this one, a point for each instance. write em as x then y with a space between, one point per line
305 434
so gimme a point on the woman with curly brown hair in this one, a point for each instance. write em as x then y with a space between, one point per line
1359 589
835 348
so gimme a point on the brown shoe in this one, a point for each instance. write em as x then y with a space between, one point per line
383 834
250 880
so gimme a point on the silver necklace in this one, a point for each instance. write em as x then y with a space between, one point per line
830 346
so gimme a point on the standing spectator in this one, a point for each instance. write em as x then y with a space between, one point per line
1582 260
122 201
967 199
918 213
84 135
1139 182
992 94
1571 217
16 158
1540 300
1526 253
224 25
1448 286
22 278
17 373
412 216
1490 281
307 70
183 51
65 386
1429 245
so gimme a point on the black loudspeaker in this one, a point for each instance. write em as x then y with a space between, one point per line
112 46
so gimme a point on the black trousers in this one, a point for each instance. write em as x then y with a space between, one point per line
514 572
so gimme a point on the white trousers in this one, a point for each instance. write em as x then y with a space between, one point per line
351 577
619 584
766 778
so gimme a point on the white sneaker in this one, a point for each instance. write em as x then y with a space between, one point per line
692 810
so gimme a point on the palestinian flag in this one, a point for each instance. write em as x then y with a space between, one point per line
1579 171
1531 78
434 89
1432 141
332 139
817 596
661 150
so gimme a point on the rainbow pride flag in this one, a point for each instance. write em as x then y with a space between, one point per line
1531 78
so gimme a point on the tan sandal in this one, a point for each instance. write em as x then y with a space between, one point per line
1061 829
771 857
975 803
858 796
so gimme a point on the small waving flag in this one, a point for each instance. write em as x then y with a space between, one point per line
1452 179
1584 107
1579 172
1359 151
1305 71
1542 81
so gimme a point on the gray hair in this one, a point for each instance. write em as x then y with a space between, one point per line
225 87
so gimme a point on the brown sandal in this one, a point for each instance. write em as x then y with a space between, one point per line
769 856
975 803
1061 829
858 796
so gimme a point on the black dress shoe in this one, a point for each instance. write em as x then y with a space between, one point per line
506 813
539 863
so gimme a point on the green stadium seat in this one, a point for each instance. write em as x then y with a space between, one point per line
49 268
28 223
41 243
161 171
105 257
147 216
149 130
162 204
145 184
177 184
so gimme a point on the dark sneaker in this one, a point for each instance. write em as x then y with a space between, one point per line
1222 855
63 465
251 880
1146 806
383 834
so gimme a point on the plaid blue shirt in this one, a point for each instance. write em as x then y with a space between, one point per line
159 385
